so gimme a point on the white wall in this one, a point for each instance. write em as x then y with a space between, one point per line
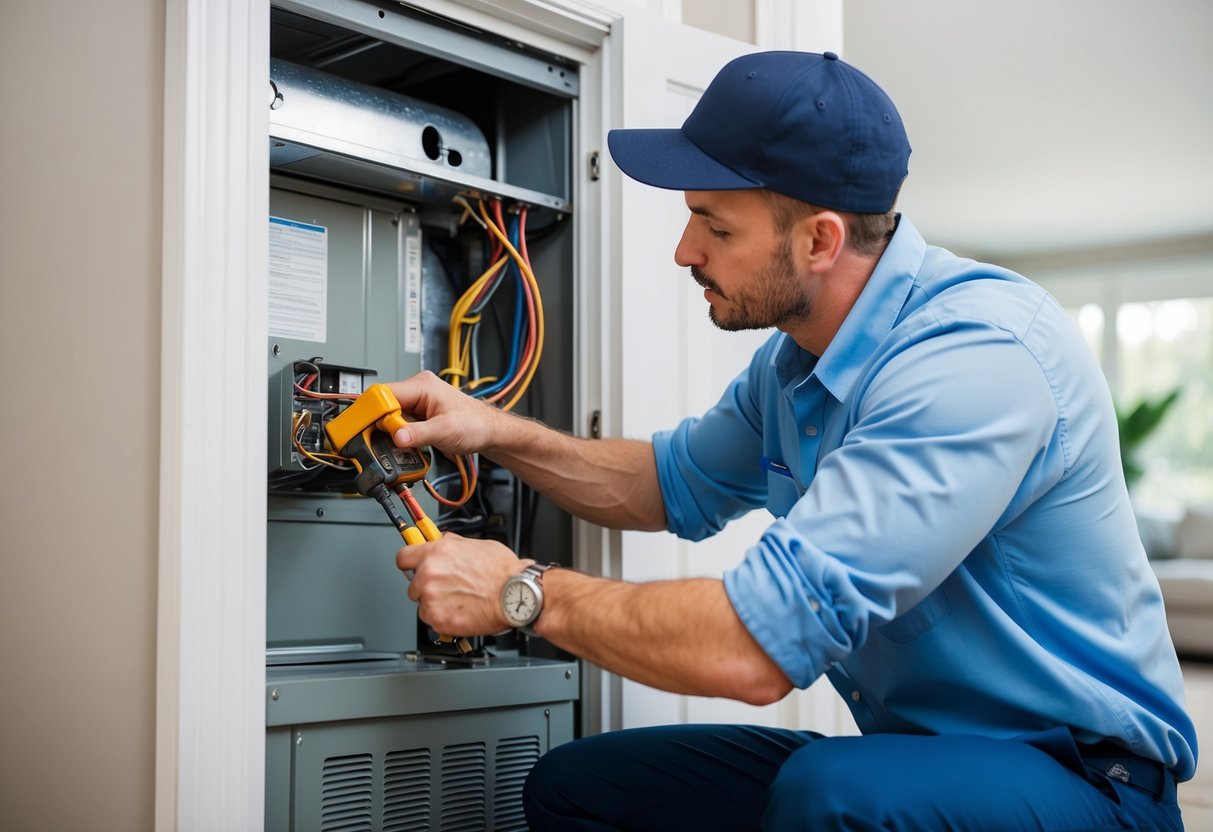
80 93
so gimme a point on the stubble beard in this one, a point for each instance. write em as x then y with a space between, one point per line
774 298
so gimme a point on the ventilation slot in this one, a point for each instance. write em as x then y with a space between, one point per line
345 789
406 791
464 804
515 758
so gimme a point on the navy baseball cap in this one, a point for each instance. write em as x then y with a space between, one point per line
805 125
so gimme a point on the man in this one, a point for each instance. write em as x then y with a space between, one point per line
953 543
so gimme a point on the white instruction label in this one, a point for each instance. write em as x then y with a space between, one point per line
412 290
299 280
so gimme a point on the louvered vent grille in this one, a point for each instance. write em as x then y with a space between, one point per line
406 791
464 804
345 788
515 758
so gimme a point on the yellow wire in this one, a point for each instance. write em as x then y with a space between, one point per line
317 457
458 351
476 382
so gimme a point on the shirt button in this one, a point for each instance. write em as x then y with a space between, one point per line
811 430
814 605
854 696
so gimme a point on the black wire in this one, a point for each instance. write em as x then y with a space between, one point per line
529 510
294 478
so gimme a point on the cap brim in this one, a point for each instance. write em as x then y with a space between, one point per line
666 158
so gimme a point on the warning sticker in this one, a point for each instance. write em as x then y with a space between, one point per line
299 280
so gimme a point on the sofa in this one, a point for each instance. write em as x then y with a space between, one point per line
1181 552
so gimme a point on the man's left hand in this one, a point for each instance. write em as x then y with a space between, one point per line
457 583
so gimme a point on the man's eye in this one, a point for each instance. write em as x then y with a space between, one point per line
716 232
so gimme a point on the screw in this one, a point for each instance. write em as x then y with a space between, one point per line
299 739
274 694
276 349
568 674
319 512
547 711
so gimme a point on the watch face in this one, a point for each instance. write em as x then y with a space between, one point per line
519 603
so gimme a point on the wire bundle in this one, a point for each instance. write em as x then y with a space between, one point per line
301 420
510 263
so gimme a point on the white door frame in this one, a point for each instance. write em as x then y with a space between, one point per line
210 654
210 658
210 678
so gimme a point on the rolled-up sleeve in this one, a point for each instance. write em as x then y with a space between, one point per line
709 467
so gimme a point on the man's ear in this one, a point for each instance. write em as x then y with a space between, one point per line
819 239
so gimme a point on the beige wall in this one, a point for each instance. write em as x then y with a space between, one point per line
80 196
733 18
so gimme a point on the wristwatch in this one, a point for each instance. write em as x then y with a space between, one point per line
522 596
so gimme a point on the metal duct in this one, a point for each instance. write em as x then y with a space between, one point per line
312 109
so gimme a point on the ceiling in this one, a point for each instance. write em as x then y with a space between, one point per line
1047 126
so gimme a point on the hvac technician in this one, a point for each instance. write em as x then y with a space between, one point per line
953 544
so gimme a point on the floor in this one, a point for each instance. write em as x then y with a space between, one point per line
1196 796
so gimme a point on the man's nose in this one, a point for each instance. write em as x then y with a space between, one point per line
686 253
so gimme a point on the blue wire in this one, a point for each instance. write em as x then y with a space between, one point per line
519 333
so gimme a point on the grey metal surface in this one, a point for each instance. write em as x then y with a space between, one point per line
449 772
365 319
278 779
363 121
386 173
363 690
332 582
334 586
363 275
525 99
534 145
492 56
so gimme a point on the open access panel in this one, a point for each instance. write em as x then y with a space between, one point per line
421 195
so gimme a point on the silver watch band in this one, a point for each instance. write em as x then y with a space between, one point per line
536 571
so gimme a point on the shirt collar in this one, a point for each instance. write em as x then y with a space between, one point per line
870 320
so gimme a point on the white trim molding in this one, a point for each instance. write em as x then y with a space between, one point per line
210 682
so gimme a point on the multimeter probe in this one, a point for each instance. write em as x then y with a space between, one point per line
362 433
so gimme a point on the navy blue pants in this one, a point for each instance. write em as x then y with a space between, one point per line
734 777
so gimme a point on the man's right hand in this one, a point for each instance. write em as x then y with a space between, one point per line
441 416
611 482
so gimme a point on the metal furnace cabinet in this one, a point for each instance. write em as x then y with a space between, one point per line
389 126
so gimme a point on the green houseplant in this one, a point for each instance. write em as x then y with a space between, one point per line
1135 424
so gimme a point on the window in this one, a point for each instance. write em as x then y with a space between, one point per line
1151 326
1164 345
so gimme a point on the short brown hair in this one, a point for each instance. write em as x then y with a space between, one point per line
866 233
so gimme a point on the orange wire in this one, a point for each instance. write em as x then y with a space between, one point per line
525 369
467 484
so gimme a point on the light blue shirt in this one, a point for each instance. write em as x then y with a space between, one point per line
953 544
